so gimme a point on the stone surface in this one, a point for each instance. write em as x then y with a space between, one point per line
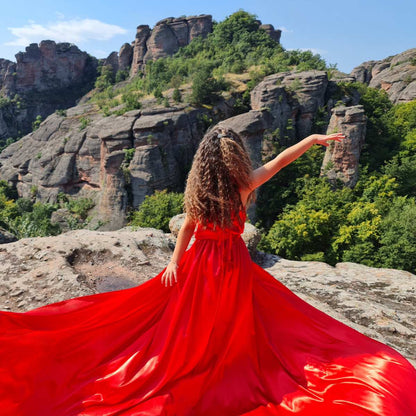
166 38
379 303
83 154
34 272
125 57
292 100
112 61
396 75
6 236
342 158
169 34
139 46
46 77
272 32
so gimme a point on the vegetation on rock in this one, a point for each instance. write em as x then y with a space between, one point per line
157 210
236 45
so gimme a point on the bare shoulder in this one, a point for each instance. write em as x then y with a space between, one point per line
189 222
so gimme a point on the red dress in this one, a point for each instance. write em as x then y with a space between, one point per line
227 340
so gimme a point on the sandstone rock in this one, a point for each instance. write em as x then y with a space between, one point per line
162 42
83 155
6 236
46 77
7 77
139 49
77 263
380 303
112 61
341 158
395 74
377 302
125 57
50 66
270 30
62 217
167 37
199 25
169 34
293 100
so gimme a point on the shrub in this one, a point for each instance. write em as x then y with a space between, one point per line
106 77
36 223
84 122
157 210
121 75
398 236
36 123
176 96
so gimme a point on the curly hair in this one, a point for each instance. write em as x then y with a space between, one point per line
221 168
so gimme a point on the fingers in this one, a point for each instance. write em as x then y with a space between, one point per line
167 278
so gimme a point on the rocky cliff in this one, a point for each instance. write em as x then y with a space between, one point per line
84 152
165 39
380 303
396 75
44 78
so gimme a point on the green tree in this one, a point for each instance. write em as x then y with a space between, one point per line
398 236
156 210
176 96
106 77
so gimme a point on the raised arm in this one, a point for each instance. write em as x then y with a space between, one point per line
184 236
265 172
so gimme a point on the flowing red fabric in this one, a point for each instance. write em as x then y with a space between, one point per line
227 339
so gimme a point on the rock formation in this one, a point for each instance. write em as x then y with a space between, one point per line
166 38
83 153
45 77
293 100
342 158
380 303
170 34
396 75
125 57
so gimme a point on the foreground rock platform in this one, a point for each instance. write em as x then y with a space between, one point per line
381 303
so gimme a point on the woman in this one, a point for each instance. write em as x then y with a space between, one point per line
220 336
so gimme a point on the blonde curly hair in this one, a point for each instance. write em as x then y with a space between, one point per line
220 169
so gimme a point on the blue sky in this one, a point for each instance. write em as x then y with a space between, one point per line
343 33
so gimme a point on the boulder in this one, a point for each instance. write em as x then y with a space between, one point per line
272 32
341 158
6 236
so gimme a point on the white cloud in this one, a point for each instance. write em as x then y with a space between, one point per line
285 29
60 16
73 31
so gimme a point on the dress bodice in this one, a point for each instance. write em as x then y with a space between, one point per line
210 232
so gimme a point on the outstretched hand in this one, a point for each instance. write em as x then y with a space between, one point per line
170 273
325 138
